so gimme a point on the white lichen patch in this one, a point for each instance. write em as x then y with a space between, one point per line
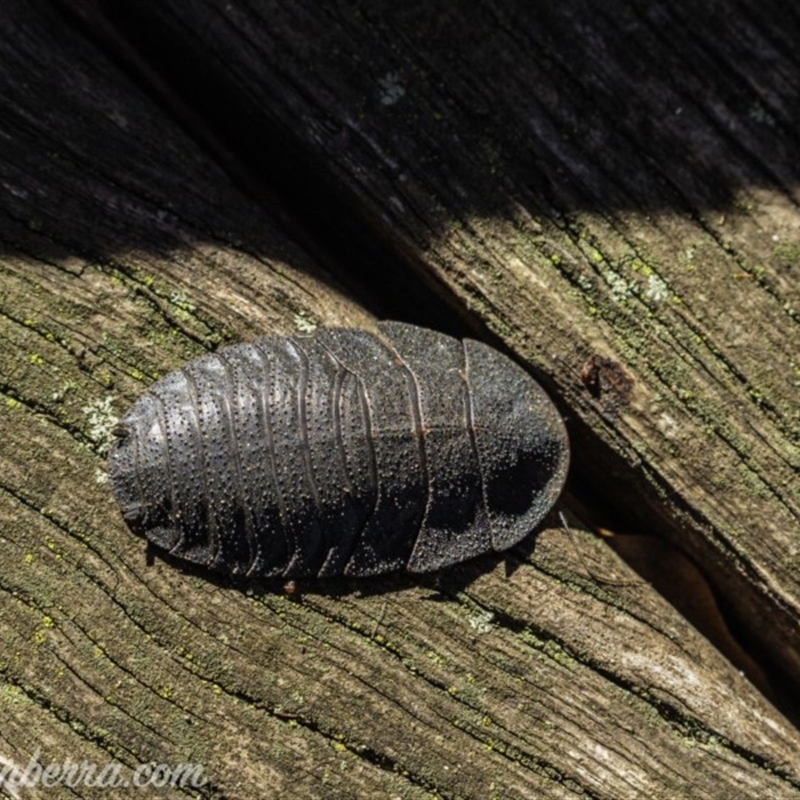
182 301
100 476
620 288
481 621
391 88
585 283
100 420
657 289
304 324
667 425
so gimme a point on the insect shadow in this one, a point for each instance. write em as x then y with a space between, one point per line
443 583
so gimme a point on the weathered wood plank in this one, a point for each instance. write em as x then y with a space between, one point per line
125 250
616 183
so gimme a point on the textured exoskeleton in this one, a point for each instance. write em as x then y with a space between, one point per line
340 452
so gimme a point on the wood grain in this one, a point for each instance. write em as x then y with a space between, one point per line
532 172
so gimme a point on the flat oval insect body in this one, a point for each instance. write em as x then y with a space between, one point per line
340 452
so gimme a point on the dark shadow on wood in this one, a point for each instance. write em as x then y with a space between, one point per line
448 581
567 111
